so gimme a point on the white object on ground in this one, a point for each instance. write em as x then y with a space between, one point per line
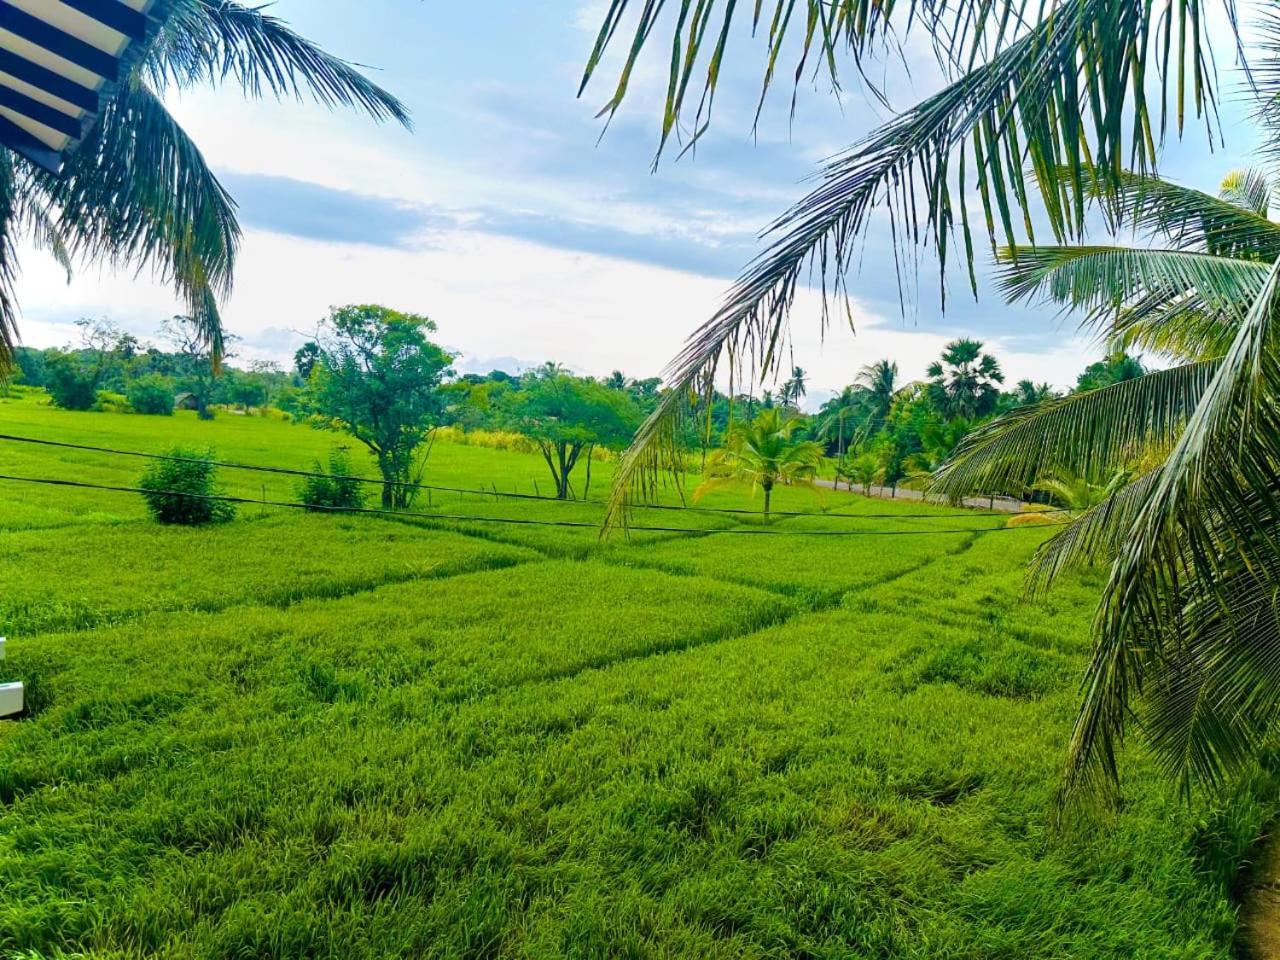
10 699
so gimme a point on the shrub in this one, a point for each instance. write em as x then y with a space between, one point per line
334 489
152 394
71 387
174 489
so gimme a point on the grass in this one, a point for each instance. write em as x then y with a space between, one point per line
346 736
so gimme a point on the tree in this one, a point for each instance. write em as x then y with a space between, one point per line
838 413
766 453
878 383
1031 95
1187 622
380 378
200 367
616 380
794 390
1116 368
74 376
964 382
568 417
305 359
1029 392
137 191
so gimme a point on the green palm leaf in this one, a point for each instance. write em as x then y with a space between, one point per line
1089 434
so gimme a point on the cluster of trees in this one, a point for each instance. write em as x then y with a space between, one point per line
110 368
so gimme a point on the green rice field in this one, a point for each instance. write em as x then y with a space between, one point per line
350 736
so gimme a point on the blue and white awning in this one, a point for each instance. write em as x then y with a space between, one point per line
59 61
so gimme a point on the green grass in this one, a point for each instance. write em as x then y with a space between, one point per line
346 736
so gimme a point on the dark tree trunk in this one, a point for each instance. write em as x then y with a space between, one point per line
768 495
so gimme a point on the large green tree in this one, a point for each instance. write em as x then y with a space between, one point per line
568 417
379 377
138 193
964 382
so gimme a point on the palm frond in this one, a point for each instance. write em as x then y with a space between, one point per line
9 215
1230 225
1087 434
1248 189
1211 509
139 194
213 41
1029 99
1102 281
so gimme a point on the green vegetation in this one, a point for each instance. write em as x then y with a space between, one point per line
310 734
378 377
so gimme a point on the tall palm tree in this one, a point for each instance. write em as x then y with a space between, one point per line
963 382
138 192
765 452
1028 391
879 384
1187 624
1034 92
837 413
794 390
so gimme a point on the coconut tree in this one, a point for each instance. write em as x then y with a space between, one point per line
138 192
879 385
1032 95
766 453
794 390
1187 626
964 382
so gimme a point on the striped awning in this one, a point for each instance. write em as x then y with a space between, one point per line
59 61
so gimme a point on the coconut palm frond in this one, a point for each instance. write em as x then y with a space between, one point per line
1028 99
213 41
138 193
1234 222
1207 527
1250 190
1102 280
1093 537
1089 434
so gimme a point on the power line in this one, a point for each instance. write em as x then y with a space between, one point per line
288 471
516 521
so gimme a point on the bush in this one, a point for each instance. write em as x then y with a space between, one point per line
174 488
334 489
152 394
69 385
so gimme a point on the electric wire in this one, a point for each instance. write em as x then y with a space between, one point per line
517 521
289 471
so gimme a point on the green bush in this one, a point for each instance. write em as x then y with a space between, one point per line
70 386
334 489
175 489
152 394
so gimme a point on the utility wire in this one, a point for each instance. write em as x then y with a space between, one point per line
287 471
517 521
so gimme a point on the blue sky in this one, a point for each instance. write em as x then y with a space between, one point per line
507 218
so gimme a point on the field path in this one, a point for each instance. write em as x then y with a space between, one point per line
1005 504
1260 913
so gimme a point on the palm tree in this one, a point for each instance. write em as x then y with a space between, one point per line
1187 621
1032 94
137 192
616 380
1028 392
836 412
794 390
879 383
766 453
964 380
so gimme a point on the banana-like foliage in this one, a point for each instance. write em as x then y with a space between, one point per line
138 192
1044 101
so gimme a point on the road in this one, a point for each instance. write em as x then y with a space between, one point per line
1005 504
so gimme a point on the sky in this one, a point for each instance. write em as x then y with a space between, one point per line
527 230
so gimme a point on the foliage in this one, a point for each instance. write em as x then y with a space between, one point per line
319 723
336 488
152 394
70 384
765 453
568 417
1185 622
379 378
137 191
964 382
178 491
